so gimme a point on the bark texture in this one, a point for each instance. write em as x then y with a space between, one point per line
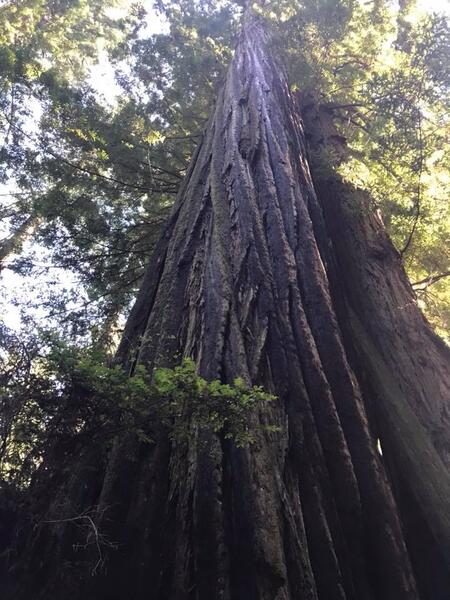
291 284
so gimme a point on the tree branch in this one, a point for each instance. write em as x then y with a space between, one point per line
427 281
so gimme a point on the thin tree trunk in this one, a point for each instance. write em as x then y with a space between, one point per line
14 243
256 277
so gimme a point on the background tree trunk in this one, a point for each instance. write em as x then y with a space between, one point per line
14 243
257 276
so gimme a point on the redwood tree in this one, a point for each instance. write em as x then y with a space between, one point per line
281 276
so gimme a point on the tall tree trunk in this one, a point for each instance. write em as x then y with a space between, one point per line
292 285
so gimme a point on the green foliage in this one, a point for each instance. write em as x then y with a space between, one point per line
102 177
62 152
63 34
69 394
190 402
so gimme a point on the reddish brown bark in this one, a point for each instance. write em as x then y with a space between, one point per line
258 277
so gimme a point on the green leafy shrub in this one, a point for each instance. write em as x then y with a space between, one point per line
189 401
70 393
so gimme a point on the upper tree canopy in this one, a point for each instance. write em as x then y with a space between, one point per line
96 181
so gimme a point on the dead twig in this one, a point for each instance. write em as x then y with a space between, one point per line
93 536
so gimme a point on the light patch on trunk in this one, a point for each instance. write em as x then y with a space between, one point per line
380 450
